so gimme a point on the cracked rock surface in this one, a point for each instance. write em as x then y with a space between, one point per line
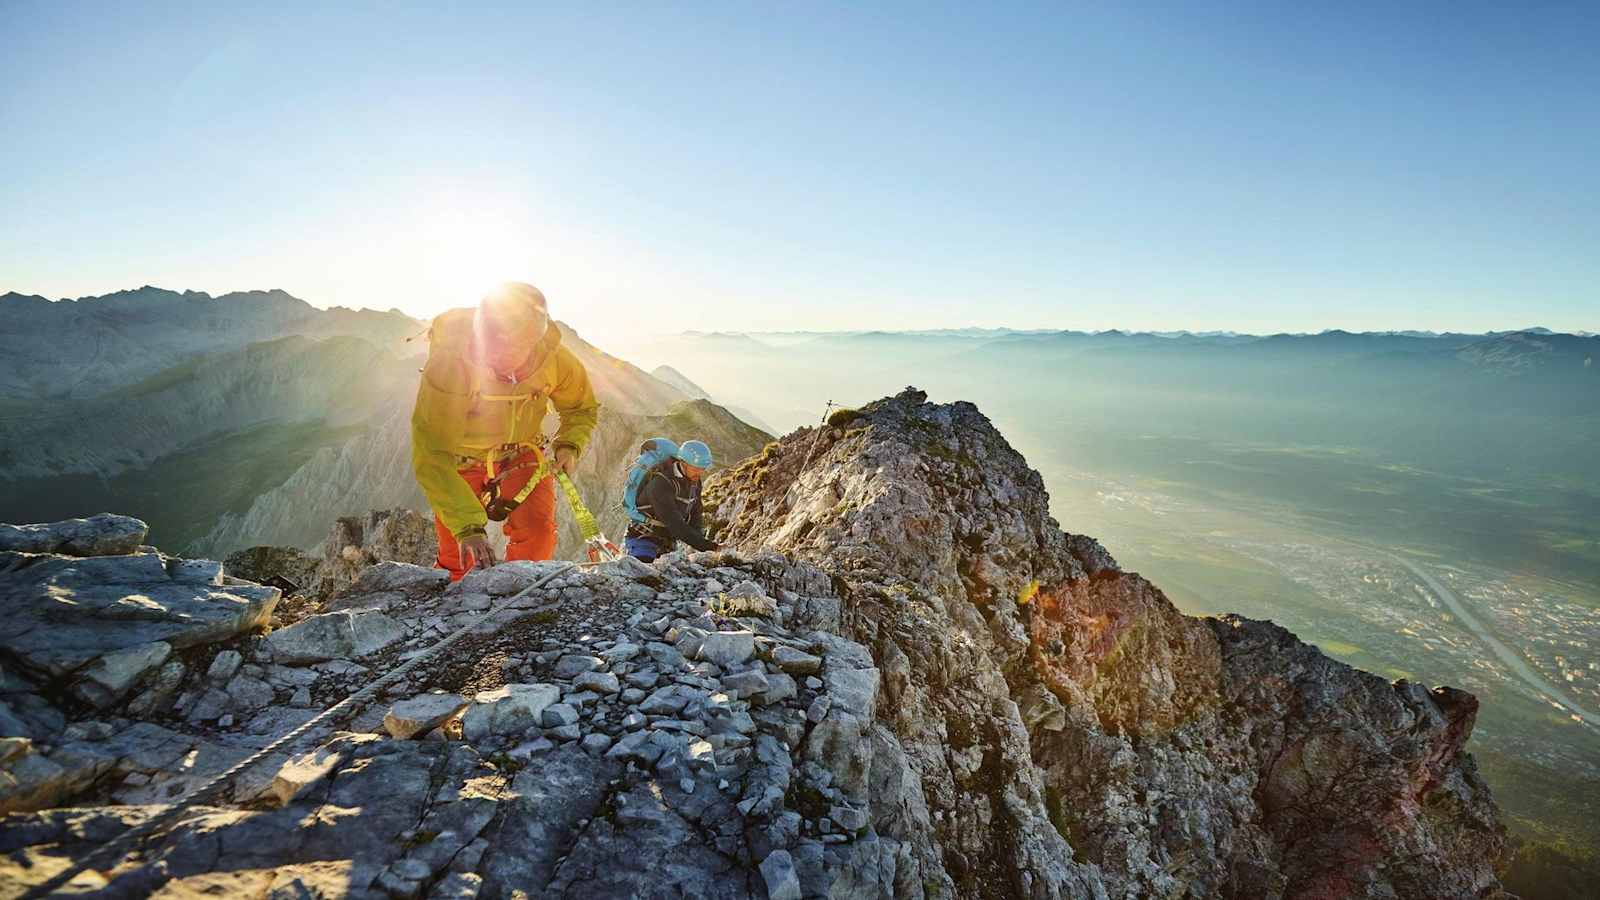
902 679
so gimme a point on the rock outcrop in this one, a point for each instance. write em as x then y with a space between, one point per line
901 679
1069 727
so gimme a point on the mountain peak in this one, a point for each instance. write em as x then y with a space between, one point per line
937 535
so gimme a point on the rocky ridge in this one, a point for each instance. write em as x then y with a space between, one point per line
902 679
1072 731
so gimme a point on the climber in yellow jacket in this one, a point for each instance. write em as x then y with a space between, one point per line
476 433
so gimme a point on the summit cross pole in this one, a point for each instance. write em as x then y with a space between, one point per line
826 411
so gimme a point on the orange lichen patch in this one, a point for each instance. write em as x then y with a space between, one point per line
1118 644
1028 592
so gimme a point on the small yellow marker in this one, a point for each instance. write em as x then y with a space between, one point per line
1027 593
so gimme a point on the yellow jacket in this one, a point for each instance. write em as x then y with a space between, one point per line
465 411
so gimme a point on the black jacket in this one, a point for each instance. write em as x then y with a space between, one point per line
671 503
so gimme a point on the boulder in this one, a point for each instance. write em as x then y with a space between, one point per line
263 563
796 662
159 690
401 577
105 680
299 774
728 648
247 695
223 666
507 709
196 571
422 713
574 664
598 682
780 876
336 635
30 780
507 577
63 613
101 535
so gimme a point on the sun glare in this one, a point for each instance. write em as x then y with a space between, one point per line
461 257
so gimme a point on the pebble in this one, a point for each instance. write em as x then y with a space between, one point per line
558 714
574 664
224 666
848 818
747 683
796 662
529 749
599 682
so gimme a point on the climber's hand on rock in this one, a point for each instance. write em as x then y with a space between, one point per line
476 547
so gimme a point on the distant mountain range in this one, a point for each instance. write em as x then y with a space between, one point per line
734 337
1485 405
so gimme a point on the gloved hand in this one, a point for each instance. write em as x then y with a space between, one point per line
476 547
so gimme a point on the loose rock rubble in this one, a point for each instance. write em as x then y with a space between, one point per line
903 681
628 740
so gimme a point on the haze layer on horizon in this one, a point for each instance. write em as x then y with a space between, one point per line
1200 168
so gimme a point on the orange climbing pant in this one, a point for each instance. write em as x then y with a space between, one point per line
531 527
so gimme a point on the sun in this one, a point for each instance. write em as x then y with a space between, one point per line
459 258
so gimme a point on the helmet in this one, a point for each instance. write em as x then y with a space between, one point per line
696 454
513 311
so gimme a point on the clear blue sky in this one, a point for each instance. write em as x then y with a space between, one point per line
752 166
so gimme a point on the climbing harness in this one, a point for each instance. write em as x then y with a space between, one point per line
499 508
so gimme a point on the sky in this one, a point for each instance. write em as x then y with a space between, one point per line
1246 166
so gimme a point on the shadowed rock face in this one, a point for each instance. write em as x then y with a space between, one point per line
1071 731
901 680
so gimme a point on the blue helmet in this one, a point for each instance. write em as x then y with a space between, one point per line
696 454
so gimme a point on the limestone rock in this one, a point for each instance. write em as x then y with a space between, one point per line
728 648
336 635
958 700
796 662
105 680
508 709
101 535
598 682
406 578
778 871
65 612
933 526
422 714
223 666
574 664
159 691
